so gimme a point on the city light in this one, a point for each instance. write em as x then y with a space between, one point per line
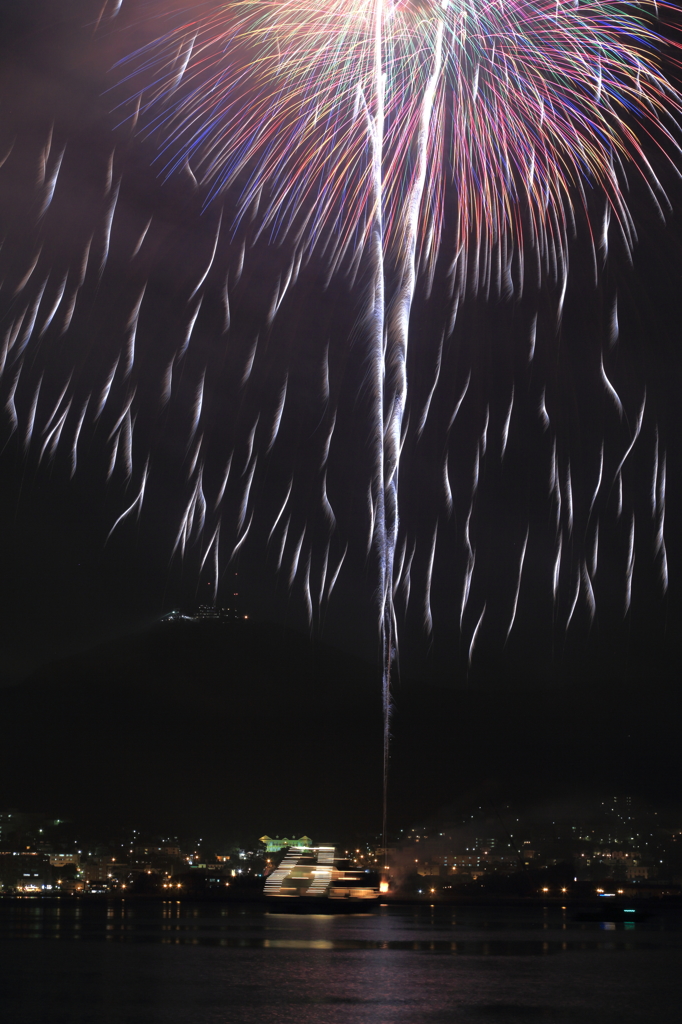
468 857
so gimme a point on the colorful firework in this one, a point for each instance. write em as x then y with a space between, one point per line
352 121
466 143
528 103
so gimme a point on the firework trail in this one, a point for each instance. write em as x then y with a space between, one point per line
464 145
543 98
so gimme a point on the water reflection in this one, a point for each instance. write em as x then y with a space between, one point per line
439 930
182 963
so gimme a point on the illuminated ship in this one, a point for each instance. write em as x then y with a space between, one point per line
316 873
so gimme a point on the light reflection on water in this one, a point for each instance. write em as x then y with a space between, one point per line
465 931
167 963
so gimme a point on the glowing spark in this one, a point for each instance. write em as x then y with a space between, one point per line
446 485
569 500
124 413
505 428
108 222
471 562
335 576
249 362
241 539
595 552
281 511
427 406
278 414
32 317
295 559
44 157
55 305
190 328
58 403
226 477
249 443
245 496
574 600
167 383
114 455
630 566
226 305
533 334
209 546
610 389
32 416
659 546
198 406
110 173
10 405
127 432
5 158
654 478
475 635
74 446
54 435
70 310
406 577
27 276
306 591
141 239
325 375
323 576
428 617
484 435
84 263
283 542
326 505
662 482
195 457
51 184
328 441
589 592
638 428
106 390
212 258
599 479
372 517
518 583
557 569
613 323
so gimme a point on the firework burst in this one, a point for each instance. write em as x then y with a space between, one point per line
358 121
462 144
530 103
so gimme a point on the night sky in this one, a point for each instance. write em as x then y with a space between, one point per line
68 589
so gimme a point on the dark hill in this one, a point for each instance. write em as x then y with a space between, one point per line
216 725
240 728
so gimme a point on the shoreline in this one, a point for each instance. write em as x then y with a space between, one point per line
604 906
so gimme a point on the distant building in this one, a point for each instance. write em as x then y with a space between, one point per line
275 845
167 851
58 860
206 613
103 869
24 871
636 870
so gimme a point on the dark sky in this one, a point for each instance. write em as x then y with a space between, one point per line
66 586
